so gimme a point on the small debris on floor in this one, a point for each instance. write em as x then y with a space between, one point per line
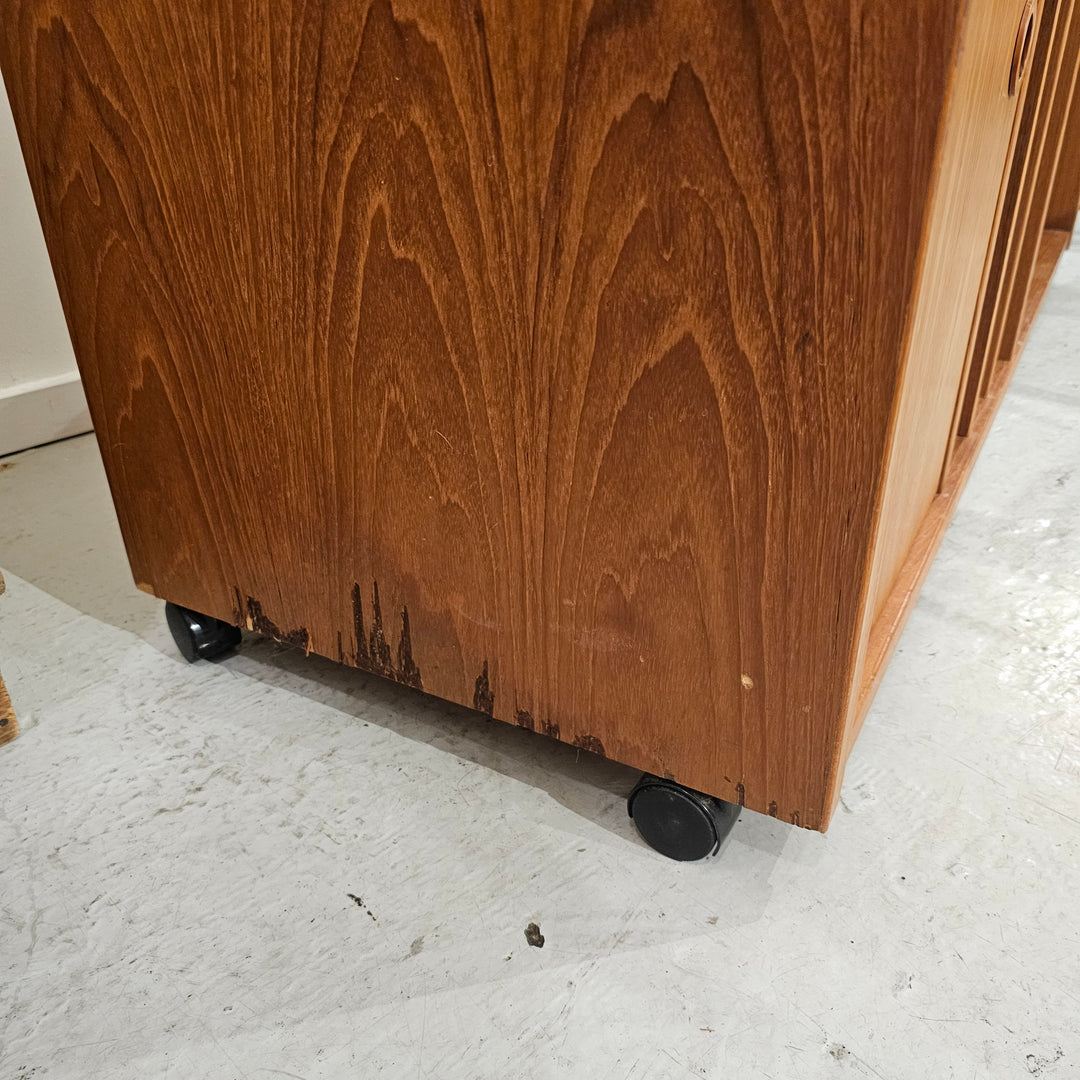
359 902
533 936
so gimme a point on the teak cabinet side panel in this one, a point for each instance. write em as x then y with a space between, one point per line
1042 185
975 129
540 355
1027 227
1052 16
976 140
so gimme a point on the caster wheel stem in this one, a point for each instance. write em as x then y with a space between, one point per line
200 637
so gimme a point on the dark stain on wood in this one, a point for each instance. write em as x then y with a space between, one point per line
373 651
340 649
407 671
549 728
378 647
740 794
590 743
483 698
772 809
523 718
795 817
362 660
260 623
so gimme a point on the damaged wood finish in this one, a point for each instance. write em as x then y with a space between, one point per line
257 621
590 743
483 699
373 652
576 326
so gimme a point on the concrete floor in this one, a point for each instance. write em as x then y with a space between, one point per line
272 866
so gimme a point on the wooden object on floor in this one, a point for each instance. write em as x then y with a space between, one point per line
9 726
592 365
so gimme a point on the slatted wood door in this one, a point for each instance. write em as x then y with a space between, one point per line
540 355
1035 227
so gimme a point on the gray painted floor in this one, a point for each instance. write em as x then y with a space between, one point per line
178 845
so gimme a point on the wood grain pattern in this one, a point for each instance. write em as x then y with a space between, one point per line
1051 245
887 627
1026 84
973 156
1065 196
538 355
1043 181
1053 16
1041 190
1031 205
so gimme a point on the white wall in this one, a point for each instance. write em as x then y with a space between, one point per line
41 398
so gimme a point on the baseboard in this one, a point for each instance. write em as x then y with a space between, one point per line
42 411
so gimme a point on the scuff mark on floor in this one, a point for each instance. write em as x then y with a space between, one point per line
359 902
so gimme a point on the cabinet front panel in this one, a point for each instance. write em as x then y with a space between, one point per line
537 355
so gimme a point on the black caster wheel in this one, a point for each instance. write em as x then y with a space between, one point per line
679 823
200 637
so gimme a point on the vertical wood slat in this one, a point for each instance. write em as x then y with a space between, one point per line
976 146
885 633
1065 196
1003 216
1052 14
974 151
1012 313
1047 50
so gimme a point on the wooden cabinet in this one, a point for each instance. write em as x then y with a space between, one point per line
612 368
